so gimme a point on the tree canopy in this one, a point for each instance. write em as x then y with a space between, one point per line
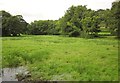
12 25
78 21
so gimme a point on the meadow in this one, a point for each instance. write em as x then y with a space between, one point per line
63 58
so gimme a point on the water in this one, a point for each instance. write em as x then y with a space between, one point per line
9 74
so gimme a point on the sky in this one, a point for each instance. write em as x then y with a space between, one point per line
48 9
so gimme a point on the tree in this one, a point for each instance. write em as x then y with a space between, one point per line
115 10
0 24
16 25
43 27
5 17
90 26
79 21
12 25
71 21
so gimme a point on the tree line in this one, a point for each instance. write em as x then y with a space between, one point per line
78 21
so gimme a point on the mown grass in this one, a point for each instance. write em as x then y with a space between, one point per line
63 58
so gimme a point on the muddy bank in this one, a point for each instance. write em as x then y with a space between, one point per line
14 74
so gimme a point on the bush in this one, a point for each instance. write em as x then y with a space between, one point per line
74 33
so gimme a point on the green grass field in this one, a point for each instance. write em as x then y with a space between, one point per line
63 58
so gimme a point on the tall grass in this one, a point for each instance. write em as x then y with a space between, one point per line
0 52
63 58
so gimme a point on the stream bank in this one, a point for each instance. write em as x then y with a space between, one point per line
14 74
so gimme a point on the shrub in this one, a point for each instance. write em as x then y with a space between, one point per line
74 33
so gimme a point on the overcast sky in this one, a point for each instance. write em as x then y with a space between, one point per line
48 9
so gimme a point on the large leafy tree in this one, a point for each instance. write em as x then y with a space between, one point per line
79 21
0 23
5 18
70 22
12 25
90 26
115 10
16 25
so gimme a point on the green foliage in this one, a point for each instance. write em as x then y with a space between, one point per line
88 22
12 25
77 21
115 10
90 25
74 34
43 27
81 21
109 18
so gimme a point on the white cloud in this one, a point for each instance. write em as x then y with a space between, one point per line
48 9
